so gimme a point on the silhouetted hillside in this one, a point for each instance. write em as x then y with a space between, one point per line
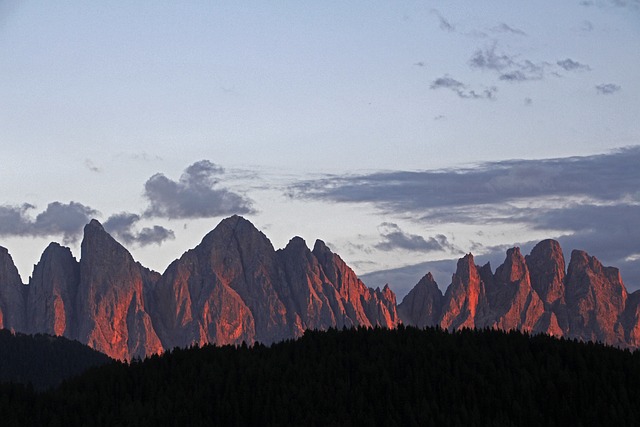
43 360
403 377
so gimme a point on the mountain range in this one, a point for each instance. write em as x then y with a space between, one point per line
235 287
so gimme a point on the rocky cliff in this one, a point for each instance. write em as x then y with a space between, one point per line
12 294
234 286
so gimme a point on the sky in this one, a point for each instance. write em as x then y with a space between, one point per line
404 134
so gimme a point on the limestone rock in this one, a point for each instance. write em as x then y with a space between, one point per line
52 293
12 294
596 299
465 298
110 309
422 305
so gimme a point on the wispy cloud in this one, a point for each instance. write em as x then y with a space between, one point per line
122 227
504 28
607 88
88 163
509 67
571 65
65 219
197 194
629 4
445 25
463 90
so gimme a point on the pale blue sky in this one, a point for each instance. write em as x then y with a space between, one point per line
98 97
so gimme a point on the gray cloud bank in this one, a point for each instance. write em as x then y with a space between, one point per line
66 219
195 195
122 227
590 203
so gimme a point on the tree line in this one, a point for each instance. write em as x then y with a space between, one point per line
352 377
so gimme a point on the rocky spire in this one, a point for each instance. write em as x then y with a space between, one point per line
12 294
596 299
514 304
465 297
52 293
422 305
110 309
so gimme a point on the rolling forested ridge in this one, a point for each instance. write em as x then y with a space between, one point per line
364 376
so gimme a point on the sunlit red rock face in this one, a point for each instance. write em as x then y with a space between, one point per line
465 298
596 298
533 294
235 287
110 308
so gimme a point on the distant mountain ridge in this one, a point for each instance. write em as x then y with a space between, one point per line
534 294
234 287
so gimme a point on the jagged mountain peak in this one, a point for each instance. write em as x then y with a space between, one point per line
234 286
297 244
94 224
514 267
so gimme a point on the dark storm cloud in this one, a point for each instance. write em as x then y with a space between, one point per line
462 90
607 88
590 203
58 218
394 238
195 195
122 227
571 65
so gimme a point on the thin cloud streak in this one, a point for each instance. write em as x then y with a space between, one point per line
443 23
604 177
608 88
461 89
570 65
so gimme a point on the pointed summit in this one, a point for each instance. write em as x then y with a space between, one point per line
513 269
12 301
513 302
94 224
110 307
52 293
547 270
422 305
596 298
465 298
